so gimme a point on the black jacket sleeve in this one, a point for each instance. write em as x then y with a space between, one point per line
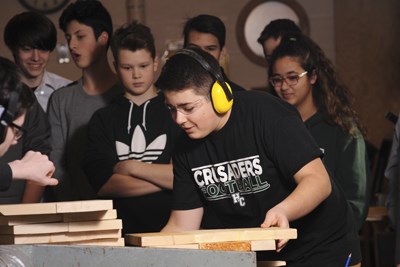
5 176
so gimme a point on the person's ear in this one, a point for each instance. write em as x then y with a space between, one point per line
103 38
156 63
313 77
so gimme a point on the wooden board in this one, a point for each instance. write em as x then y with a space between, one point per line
49 228
255 245
84 206
94 225
55 207
40 228
62 217
28 209
114 242
90 216
209 236
58 237
30 219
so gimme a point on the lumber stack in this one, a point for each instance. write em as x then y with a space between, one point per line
242 239
90 222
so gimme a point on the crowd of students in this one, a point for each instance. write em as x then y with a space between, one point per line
190 149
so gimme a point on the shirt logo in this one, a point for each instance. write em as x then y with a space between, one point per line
231 179
139 150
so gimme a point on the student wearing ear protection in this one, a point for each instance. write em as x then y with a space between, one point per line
15 100
253 165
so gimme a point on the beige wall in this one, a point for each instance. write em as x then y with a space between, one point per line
368 59
360 36
166 19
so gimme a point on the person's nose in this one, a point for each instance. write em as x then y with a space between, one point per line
179 118
136 74
285 85
35 54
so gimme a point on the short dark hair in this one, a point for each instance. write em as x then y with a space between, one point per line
10 83
133 36
182 71
205 24
30 29
278 28
91 13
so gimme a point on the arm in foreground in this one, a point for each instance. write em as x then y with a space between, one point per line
34 167
184 220
313 187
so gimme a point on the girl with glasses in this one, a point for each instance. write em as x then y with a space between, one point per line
303 76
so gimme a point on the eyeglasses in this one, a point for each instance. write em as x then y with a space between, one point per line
187 108
17 130
291 79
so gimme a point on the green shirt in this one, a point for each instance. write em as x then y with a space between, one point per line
345 157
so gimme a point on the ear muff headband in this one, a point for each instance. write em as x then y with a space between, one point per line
221 92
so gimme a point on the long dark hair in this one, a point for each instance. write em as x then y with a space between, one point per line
331 97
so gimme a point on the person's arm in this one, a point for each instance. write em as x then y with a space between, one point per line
34 167
37 139
313 187
351 176
126 186
160 175
33 193
5 176
37 126
184 220
111 178
58 136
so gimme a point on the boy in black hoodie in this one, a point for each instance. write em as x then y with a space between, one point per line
130 142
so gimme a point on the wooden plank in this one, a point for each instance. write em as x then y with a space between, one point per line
254 245
114 242
205 236
233 246
41 228
376 213
84 206
261 245
94 225
28 209
58 237
90 216
48 228
183 246
30 219
56 207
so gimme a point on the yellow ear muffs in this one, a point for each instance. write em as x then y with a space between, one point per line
221 92
219 99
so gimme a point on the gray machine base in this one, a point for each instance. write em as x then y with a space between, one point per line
97 256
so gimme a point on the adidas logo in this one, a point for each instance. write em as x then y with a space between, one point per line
139 149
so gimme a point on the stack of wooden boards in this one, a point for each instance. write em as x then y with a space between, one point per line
243 239
90 222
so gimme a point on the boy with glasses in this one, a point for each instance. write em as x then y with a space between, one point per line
15 101
253 165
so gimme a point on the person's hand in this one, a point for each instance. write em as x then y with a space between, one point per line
122 167
277 217
34 167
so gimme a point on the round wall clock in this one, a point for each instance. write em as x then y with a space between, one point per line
258 13
44 6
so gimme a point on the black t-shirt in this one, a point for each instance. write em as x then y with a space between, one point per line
246 168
